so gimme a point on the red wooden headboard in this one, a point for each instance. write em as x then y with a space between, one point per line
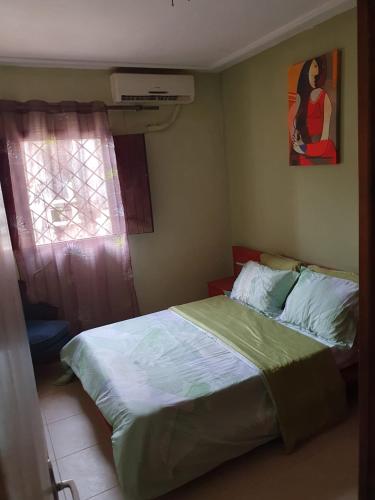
241 255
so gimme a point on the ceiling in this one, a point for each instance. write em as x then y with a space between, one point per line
194 34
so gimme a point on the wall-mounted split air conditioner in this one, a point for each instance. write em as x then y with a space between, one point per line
147 88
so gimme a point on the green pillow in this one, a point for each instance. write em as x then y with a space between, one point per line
263 288
324 306
344 275
279 262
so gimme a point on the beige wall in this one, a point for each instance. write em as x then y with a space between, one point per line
309 213
188 179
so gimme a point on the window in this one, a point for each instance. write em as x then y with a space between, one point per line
67 191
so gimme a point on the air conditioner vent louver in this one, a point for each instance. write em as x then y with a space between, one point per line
155 88
151 98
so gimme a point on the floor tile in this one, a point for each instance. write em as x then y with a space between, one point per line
58 402
92 470
112 494
72 434
75 433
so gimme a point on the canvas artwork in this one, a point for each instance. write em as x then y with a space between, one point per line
313 111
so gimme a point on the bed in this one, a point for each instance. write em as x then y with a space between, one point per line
182 395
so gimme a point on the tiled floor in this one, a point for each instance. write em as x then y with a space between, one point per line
78 438
79 447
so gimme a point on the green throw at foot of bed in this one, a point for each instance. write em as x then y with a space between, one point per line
300 373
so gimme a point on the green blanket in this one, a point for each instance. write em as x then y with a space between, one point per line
300 373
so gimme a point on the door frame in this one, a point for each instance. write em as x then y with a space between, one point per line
366 169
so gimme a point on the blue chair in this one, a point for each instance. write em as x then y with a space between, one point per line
47 335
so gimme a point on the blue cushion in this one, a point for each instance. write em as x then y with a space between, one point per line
47 338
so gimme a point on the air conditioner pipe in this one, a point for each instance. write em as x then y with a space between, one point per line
159 127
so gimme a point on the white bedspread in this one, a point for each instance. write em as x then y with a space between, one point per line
180 401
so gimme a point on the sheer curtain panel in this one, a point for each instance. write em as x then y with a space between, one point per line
59 177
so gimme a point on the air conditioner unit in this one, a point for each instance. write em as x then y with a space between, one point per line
147 88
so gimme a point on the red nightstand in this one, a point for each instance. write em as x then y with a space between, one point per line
218 287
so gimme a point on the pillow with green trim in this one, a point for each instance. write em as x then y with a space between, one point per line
263 288
325 306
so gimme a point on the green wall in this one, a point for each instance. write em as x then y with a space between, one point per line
310 213
191 242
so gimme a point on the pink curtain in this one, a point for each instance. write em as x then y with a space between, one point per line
65 210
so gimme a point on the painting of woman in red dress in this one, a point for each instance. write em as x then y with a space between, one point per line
313 110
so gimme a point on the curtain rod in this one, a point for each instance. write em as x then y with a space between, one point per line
83 107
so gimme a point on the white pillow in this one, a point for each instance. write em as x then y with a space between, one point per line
325 306
263 288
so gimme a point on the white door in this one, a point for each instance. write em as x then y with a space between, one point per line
24 469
